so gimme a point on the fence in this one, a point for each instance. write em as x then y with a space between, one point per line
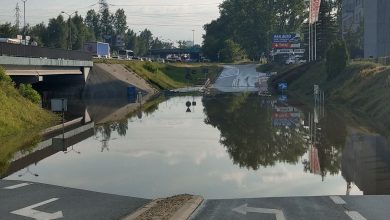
17 50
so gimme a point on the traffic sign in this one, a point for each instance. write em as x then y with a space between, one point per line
282 86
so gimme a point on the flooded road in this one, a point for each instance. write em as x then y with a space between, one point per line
226 146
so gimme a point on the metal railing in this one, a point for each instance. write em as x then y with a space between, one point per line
17 50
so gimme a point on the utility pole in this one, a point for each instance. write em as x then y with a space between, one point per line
70 28
193 38
24 26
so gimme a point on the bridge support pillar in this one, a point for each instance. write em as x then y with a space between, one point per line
86 71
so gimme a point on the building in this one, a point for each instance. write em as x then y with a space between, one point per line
375 16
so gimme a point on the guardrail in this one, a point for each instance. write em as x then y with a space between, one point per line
17 50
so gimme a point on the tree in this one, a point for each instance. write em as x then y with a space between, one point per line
80 32
231 52
251 23
106 27
144 42
39 34
8 30
120 22
92 21
337 58
57 33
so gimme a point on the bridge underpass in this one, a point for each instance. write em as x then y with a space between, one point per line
29 64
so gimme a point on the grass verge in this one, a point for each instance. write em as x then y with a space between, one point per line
170 76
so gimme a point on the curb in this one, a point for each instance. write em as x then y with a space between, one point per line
183 213
187 209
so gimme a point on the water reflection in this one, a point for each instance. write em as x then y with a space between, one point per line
247 131
240 145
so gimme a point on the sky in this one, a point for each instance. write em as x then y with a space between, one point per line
171 20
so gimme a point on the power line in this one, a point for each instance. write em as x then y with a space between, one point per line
162 5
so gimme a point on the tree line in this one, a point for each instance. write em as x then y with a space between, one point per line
245 27
101 25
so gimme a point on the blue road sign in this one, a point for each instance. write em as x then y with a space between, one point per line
282 98
286 38
282 86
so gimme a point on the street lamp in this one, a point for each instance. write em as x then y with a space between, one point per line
193 38
69 27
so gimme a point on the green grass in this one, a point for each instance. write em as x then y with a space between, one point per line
279 68
170 76
20 123
363 88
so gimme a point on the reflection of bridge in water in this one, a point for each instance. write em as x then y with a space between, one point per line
89 115
52 144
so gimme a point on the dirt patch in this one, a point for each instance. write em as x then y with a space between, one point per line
165 208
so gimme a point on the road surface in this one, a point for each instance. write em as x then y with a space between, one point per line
26 200
238 78
327 207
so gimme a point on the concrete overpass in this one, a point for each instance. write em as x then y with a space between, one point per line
33 64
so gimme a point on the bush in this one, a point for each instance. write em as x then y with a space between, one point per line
29 93
4 77
337 58
151 67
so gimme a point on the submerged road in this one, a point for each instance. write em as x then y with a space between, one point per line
238 78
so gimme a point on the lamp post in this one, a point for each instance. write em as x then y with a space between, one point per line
70 28
193 38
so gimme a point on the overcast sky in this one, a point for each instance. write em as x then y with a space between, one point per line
167 19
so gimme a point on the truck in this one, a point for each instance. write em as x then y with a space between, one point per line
98 49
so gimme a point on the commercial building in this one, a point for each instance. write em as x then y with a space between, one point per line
375 16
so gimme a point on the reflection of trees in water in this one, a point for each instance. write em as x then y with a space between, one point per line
247 132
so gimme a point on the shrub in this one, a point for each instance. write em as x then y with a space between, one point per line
151 67
337 58
4 77
29 93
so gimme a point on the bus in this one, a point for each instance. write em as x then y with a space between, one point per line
125 54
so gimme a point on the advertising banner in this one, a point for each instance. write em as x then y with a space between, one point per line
314 10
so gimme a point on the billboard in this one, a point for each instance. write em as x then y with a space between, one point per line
286 41
286 38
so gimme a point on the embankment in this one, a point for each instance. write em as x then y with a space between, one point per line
363 88
20 122
171 75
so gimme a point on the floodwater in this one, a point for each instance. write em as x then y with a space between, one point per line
223 146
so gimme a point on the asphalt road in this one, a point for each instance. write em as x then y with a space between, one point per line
334 208
238 78
40 201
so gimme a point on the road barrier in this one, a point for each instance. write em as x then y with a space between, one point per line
17 50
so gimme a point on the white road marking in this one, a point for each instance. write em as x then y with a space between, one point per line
338 200
244 209
355 215
38 215
17 186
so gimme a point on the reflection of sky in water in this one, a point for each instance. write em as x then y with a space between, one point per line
172 152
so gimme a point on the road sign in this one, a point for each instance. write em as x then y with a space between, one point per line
282 86
59 105
286 38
